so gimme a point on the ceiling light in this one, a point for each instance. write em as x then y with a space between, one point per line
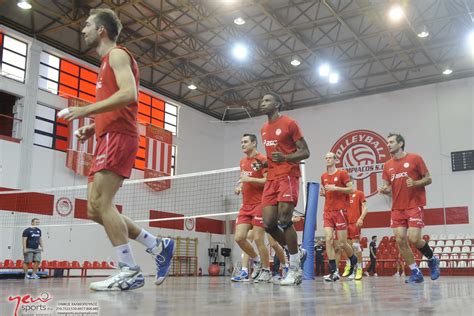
24 4
192 87
239 21
423 32
295 62
447 71
396 13
334 77
240 51
324 70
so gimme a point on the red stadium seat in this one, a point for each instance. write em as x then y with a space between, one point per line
75 265
19 264
96 265
8 264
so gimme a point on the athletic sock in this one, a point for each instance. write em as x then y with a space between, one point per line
413 266
146 239
353 260
125 255
294 260
426 251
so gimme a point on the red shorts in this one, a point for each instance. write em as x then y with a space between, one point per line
412 217
335 219
114 152
250 214
284 189
353 232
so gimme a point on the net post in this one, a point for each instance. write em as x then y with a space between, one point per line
309 229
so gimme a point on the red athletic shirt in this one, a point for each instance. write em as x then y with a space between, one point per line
281 135
356 200
252 192
124 119
396 172
335 200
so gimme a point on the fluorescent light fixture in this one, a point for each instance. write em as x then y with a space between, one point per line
239 21
240 51
447 71
333 77
295 62
396 13
24 4
192 87
324 70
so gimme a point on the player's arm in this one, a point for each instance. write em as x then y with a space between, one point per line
346 190
372 251
301 153
426 180
120 62
385 188
259 181
24 244
41 243
360 221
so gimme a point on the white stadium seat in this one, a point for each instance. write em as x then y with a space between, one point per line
447 250
467 242
466 250
451 236
456 250
440 243
449 243
432 243
424 264
433 237
458 242
462 264
439 250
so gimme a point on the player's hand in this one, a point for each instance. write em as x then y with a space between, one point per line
76 112
278 157
257 165
360 222
384 190
244 178
85 132
237 190
330 187
322 192
410 182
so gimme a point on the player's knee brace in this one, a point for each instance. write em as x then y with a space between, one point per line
285 225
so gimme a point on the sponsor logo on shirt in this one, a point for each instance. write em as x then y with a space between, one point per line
270 143
399 175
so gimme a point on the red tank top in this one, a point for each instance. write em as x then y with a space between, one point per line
123 120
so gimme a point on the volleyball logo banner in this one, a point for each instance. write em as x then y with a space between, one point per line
79 155
158 156
362 153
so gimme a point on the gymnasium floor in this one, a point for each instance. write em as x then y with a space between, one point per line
218 296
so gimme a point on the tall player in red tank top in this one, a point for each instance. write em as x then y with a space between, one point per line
285 148
116 132
405 177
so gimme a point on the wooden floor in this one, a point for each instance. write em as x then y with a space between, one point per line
217 296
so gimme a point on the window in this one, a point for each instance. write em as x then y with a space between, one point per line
7 118
154 111
50 132
173 160
66 78
13 58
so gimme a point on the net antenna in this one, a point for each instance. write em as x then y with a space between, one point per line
228 111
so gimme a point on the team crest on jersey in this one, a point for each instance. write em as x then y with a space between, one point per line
406 165
278 131
362 153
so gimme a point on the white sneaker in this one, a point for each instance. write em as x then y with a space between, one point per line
126 279
333 277
352 275
264 277
257 268
293 277
35 276
276 279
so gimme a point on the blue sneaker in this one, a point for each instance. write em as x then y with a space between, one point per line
415 277
163 259
243 276
433 264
